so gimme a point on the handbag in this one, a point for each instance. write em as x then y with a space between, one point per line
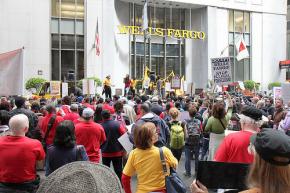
173 183
49 126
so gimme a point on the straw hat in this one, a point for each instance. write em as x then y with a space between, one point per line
81 177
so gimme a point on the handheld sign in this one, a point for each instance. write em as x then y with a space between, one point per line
175 82
221 70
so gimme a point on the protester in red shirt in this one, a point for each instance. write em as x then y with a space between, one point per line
73 115
234 147
112 150
107 106
19 156
90 134
87 103
65 107
45 121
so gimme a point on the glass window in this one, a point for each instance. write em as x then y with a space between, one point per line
168 15
55 7
247 68
67 34
247 39
247 21
67 65
132 66
80 9
239 76
175 18
67 42
241 70
68 8
231 20
139 66
55 65
172 49
172 64
54 26
162 18
157 49
80 65
159 17
183 67
239 23
140 48
157 66
55 41
231 38
67 26
231 50
79 27
80 42
138 15
182 19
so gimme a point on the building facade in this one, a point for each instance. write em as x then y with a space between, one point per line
59 38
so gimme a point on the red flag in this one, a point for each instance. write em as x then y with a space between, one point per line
97 41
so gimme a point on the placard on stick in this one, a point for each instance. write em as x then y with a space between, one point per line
221 70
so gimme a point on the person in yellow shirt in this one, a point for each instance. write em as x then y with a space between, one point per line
145 162
107 87
133 86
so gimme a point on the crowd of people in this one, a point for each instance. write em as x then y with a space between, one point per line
49 135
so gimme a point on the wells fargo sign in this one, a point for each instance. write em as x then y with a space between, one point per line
176 33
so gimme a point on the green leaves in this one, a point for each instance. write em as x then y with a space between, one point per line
34 83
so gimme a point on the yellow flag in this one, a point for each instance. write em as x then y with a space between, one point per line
146 72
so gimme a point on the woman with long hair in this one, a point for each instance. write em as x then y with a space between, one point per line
217 124
146 163
64 149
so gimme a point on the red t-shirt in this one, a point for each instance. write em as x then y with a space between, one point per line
71 116
87 105
109 108
234 148
91 135
44 125
18 156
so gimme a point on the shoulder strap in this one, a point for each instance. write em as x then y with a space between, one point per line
162 160
223 124
78 153
49 126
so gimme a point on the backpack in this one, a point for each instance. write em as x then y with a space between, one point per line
193 132
177 136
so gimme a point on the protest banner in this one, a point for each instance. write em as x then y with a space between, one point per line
55 87
89 87
221 70
175 82
11 73
285 92
64 88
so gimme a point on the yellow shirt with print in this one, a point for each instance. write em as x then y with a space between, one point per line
107 82
147 165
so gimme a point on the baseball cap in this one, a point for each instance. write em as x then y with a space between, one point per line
74 106
270 143
81 176
155 99
252 112
87 112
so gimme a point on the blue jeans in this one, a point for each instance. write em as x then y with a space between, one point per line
188 155
204 148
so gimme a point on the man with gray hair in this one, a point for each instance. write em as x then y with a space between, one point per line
234 147
19 157
73 114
